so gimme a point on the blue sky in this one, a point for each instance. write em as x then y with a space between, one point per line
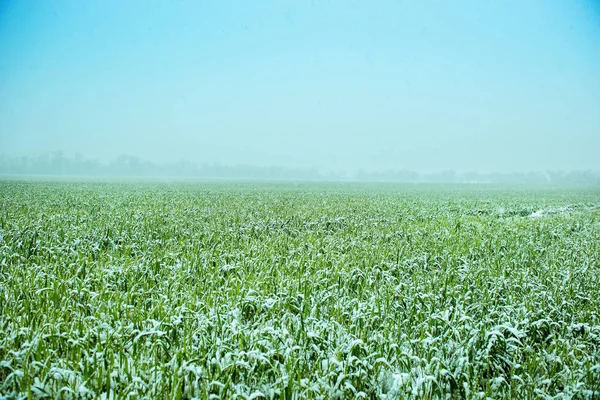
424 85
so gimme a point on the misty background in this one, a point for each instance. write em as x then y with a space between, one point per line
401 90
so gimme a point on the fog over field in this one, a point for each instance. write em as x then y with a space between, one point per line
510 86
218 199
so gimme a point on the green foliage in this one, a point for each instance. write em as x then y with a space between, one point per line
298 291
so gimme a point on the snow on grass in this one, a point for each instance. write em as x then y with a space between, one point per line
297 291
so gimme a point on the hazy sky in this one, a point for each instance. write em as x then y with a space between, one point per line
426 85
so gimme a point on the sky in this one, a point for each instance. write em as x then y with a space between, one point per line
336 85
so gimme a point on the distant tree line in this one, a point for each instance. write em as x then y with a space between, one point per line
58 164
554 177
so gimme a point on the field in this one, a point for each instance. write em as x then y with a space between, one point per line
298 290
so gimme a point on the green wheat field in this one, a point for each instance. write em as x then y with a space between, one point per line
276 290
